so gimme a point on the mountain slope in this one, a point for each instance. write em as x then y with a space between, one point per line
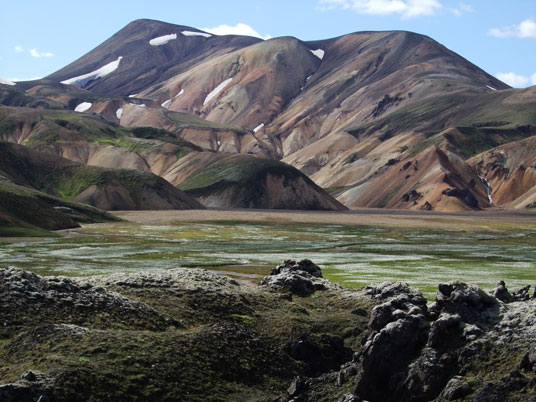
24 211
344 110
109 189
248 181
142 64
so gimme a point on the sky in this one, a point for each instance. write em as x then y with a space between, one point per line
40 37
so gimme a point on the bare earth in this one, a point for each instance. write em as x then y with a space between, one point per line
483 220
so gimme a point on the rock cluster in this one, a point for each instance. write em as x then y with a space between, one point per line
384 343
301 278
414 351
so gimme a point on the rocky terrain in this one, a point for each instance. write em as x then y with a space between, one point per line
189 334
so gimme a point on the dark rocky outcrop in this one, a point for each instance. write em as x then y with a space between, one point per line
301 278
126 336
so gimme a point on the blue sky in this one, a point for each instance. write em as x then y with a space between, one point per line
40 37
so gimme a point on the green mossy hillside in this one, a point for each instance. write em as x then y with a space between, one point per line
27 208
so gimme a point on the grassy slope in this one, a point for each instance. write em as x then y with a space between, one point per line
10 96
25 207
57 127
245 173
486 121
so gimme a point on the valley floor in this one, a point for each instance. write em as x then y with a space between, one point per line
482 220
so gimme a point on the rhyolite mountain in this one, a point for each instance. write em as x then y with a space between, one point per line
86 158
380 119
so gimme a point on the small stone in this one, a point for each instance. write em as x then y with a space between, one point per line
29 376
297 387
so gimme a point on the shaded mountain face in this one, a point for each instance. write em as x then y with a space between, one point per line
346 111
108 189
28 212
145 52
248 181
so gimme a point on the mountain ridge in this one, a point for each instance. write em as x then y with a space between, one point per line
395 91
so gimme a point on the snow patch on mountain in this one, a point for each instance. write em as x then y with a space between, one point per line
119 113
192 33
318 53
6 82
216 91
162 40
166 104
82 107
180 93
258 127
135 104
82 80
493 89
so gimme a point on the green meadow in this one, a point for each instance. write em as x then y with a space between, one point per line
353 256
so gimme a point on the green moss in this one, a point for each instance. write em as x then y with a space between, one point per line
479 139
244 319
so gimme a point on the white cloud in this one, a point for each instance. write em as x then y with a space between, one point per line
406 8
533 79
513 79
19 49
526 29
462 9
238 29
39 55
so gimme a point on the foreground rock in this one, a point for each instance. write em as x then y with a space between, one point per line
190 334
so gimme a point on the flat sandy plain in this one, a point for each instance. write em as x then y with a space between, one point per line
481 220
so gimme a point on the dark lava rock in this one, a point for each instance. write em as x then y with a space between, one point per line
465 195
529 359
387 355
502 293
456 388
469 302
26 295
28 376
328 353
300 266
489 393
301 278
522 294
360 311
298 386
446 332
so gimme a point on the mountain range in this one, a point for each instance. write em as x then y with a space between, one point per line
376 119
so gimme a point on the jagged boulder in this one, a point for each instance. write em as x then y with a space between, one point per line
470 302
398 332
301 278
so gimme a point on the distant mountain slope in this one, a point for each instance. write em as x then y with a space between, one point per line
109 189
347 111
248 181
28 212
141 64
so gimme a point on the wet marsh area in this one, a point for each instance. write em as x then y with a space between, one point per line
352 255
